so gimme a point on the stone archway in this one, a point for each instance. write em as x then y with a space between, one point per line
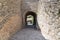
32 20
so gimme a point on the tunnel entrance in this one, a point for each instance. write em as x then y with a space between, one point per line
30 20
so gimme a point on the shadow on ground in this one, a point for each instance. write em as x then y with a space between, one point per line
28 34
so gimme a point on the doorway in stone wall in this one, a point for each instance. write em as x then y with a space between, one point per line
30 20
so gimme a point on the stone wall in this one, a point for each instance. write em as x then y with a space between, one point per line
10 18
28 5
49 18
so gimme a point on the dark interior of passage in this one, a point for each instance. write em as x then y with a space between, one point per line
30 19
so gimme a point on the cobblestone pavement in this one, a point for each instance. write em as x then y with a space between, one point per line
28 34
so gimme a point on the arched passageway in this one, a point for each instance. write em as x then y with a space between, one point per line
30 19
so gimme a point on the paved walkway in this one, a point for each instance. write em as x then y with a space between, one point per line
28 34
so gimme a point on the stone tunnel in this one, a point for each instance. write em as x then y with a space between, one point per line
12 17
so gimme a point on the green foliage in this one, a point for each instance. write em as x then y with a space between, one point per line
32 18
59 13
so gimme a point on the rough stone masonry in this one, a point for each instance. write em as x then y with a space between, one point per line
10 18
48 17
